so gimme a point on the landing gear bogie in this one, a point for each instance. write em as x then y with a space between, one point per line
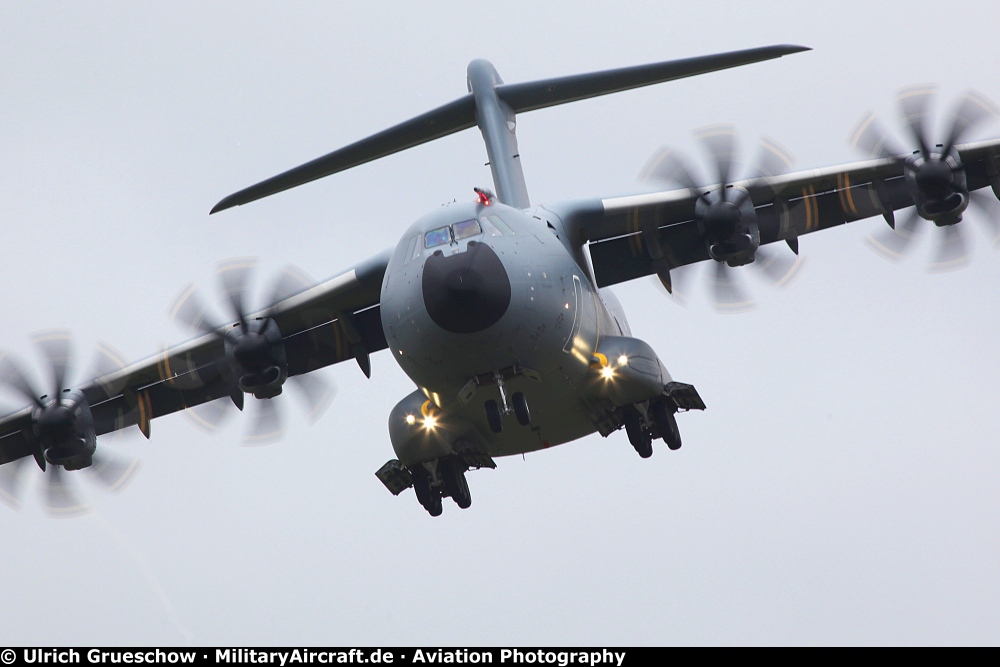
638 435
428 495
666 424
452 475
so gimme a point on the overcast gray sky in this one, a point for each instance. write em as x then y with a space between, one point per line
840 489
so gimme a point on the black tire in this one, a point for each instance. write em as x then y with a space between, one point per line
640 438
493 416
455 484
521 409
666 425
426 496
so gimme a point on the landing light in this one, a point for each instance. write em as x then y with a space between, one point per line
607 372
430 422
623 360
411 420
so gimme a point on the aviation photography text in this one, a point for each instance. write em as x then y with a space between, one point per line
313 656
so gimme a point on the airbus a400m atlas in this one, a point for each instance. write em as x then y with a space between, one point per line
498 310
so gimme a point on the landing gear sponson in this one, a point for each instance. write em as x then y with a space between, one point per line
631 388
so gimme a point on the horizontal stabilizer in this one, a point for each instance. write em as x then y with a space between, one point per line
461 113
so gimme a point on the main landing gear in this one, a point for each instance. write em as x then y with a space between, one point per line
447 479
432 481
657 422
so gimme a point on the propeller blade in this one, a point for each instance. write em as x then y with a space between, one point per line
60 499
870 138
291 281
680 279
113 472
892 244
56 346
267 428
106 363
667 166
209 417
234 278
952 253
778 267
773 160
727 293
913 103
719 141
12 376
972 110
188 310
11 479
317 393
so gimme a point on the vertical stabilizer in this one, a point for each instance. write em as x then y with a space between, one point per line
498 124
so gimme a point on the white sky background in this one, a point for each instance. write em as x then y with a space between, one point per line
841 487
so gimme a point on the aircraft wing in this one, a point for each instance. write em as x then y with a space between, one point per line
791 205
331 322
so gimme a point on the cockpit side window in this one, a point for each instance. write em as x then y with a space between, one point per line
466 228
437 237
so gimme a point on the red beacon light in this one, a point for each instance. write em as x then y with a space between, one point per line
484 197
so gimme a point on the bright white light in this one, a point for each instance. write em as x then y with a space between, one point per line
430 421
623 360
410 419
607 372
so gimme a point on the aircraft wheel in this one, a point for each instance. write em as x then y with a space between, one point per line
426 496
455 483
663 416
521 409
493 416
640 438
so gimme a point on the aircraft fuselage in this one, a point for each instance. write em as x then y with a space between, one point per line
474 293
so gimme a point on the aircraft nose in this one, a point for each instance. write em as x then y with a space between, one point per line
466 292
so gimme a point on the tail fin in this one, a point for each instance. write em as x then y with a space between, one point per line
461 114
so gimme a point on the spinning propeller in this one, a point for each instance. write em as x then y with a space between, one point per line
726 218
61 431
254 360
934 175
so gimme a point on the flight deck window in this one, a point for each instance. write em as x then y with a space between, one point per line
465 229
437 237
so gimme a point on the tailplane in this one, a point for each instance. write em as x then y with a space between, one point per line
493 105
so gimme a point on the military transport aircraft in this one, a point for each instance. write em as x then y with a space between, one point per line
497 309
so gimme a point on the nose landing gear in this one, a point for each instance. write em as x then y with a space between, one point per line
496 411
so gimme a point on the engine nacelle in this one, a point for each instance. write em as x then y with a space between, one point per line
257 357
64 431
938 187
729 226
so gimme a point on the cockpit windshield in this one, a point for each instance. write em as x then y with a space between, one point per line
437 237
456 232
466 228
